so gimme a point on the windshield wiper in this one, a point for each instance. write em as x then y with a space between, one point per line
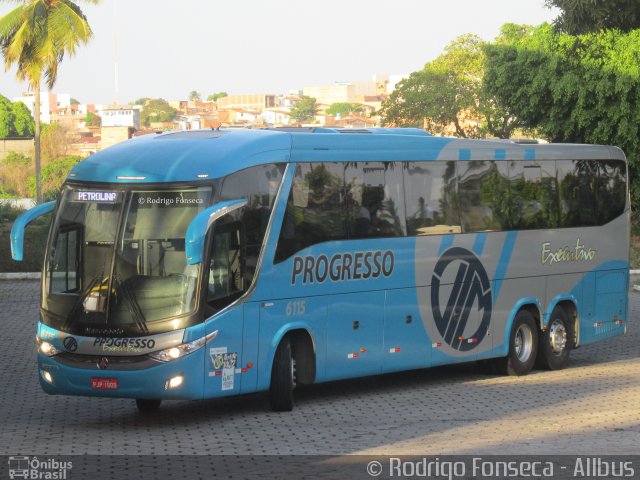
132 304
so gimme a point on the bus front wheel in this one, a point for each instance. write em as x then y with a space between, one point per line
523 346
555 342
282 378
147 405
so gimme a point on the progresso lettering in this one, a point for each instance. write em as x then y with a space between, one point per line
124 344
342 267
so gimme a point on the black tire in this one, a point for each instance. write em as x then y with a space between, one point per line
282 379
555 341
147 406
523 346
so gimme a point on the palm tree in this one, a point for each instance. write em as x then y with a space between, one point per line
35 37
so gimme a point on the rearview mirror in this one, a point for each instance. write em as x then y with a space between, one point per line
17 230
199 226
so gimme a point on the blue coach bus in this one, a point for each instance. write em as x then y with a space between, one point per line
199 264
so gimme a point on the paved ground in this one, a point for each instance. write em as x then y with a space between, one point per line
592 407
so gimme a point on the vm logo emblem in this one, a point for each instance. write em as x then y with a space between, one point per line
471 292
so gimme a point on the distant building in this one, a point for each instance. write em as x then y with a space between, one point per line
115 134
50 103
251 102
120 116
340 92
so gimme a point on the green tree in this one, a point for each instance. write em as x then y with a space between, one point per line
141 101
215 96
304 110
74 101
54 174
92 120
6 117
35 37
157 110
578 89
343 108
23 124
193 96
588 16
447 91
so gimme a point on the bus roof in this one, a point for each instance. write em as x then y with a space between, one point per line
187 156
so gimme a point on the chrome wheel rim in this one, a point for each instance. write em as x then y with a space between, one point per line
523 343
557 337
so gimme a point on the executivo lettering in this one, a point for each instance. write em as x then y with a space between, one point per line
573 253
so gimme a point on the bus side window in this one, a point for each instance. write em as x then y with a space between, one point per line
576 179
430 196
374 200
483 186
259 185
533 195
315 209
610 190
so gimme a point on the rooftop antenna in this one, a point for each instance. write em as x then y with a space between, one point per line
115 53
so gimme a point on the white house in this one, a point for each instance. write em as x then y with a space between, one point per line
120 116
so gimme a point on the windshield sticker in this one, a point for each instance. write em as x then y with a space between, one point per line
220 359
342 267
573 253
95 197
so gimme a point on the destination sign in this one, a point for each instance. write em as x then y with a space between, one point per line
95 197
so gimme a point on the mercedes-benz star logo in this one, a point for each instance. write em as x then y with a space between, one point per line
103 363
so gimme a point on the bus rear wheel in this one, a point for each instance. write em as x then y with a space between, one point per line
282 378
555 341
146 405
523 346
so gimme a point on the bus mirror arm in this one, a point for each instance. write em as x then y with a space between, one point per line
199 226
17 230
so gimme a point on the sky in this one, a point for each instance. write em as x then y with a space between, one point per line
167 49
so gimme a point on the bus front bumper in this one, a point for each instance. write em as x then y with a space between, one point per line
178 379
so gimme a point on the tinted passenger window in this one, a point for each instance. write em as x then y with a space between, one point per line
374 199
610 190
576 181
315 210
533 197
483 187
238 239
430 196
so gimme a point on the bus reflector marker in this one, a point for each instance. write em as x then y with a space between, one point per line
394 350
472 340
363 350
436 344
353 355
597 324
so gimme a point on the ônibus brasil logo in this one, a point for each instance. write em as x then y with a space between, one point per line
470 287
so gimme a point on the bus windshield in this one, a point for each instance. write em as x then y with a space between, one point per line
116 262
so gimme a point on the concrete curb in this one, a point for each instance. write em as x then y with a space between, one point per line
21 276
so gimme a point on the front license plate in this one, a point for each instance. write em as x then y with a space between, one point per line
104 383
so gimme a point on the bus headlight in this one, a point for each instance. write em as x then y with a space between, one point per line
178 351
47 348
